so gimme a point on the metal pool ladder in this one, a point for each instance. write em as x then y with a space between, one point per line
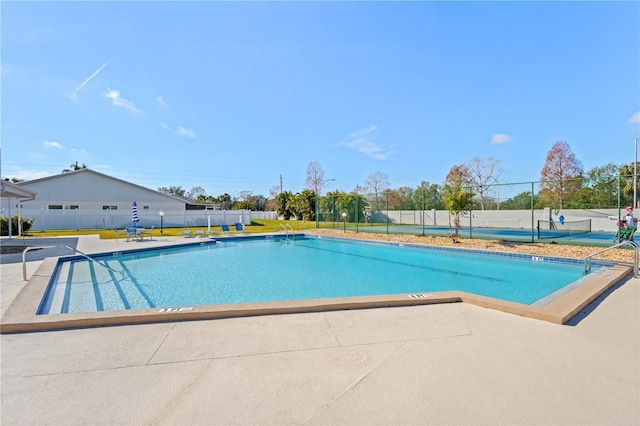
587 260
24 262
286 227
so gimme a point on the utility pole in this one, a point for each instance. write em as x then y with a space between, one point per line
281 184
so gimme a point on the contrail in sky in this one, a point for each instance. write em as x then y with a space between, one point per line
74 95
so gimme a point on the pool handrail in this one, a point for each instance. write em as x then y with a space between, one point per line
636 274
286 228
24 261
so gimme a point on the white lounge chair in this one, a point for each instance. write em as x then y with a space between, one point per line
147 233
132 234
120 233
187 233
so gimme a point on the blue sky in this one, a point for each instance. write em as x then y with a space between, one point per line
230 96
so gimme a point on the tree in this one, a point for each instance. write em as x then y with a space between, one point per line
405 198
281 205
270 204
243 205
461 173
25 225
428 196
377 182
484 173
74 166
338 202
196 192
173 190
626 183
275 190
478 174
315 177
303 205
224 201
518 202
457 201
258 201
561 177
600 187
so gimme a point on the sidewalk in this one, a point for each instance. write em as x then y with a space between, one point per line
437 364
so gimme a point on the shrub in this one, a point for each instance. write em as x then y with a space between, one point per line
4 225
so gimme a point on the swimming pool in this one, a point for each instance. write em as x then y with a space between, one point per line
250 270
49 300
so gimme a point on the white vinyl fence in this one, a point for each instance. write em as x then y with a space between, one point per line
106 219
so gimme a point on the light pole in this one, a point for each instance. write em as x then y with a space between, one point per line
161 213
344 221
635 175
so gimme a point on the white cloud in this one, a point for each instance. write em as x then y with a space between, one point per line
500 138
80 151
29 175
180 131
52 144
362 140
160 101
185 132
635 118
114 95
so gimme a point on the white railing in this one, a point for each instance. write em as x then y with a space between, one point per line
587 260
24 259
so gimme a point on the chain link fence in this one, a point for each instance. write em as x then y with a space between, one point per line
525 211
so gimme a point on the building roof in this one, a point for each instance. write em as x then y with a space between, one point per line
102 175
10 189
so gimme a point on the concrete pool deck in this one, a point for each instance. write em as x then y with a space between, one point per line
439 364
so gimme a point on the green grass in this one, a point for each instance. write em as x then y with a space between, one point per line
256 227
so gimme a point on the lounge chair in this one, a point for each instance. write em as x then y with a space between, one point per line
199 233
120 233
225 229
132 233
211 233
239 228
187 233
147 233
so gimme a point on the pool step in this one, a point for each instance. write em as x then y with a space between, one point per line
109 291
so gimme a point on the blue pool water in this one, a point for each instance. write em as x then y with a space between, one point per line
271 269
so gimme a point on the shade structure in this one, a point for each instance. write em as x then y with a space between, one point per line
134 214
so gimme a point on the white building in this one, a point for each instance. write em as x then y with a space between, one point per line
84 199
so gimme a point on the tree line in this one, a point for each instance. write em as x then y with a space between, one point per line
563 184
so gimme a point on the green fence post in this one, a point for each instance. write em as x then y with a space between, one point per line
532 218
387 197
423 234
619 194
356 211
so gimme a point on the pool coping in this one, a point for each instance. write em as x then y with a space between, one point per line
21 316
